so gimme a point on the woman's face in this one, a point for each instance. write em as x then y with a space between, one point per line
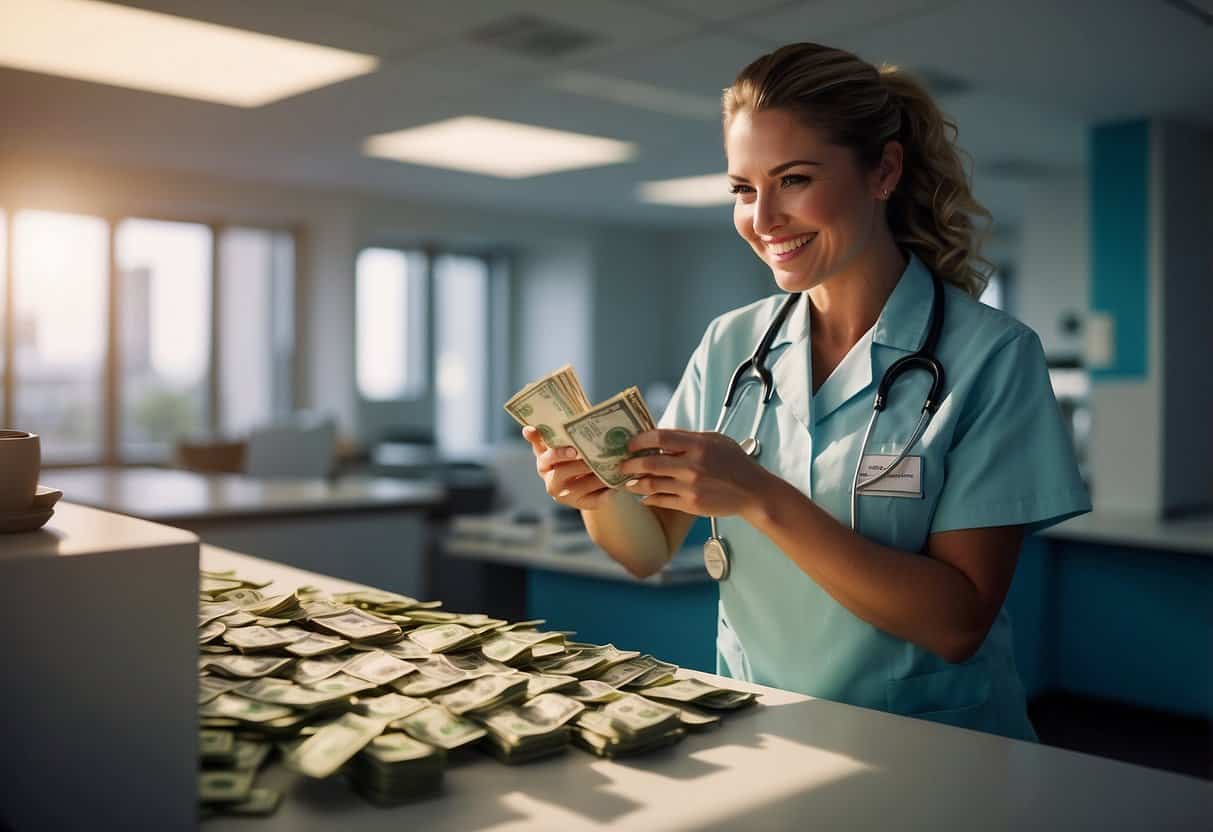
803 204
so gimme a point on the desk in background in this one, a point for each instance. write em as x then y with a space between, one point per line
1115 607
671 614
371 530
1119 607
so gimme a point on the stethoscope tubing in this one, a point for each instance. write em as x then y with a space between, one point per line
715 550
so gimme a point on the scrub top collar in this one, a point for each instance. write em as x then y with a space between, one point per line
901 325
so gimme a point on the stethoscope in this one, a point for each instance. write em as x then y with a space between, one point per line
715 551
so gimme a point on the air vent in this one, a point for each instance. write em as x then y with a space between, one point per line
532 37
941 83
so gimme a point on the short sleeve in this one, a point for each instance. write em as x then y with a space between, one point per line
1012 459
683 411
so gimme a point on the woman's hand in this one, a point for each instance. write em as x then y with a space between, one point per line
568 479
696 473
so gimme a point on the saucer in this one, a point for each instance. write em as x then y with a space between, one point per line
25 521
45 498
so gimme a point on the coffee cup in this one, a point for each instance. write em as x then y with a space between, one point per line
20 462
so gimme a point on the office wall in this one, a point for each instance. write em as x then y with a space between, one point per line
1053 262
1186 267
629 311
553 315
708 272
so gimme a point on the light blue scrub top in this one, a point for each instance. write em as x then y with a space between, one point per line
996 453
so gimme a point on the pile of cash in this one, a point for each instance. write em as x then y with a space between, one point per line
557 406
381 689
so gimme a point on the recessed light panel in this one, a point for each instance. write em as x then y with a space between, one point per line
110 44
473 144
712 189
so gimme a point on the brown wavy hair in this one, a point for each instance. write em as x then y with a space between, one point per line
932 212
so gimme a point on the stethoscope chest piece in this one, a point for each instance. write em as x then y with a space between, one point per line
716 559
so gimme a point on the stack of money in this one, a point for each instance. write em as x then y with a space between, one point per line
520 733
229 765
630 724
548 403
702 694
485 693
556 406
394 768
381 687
437 726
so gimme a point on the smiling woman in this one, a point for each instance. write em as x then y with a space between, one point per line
848 185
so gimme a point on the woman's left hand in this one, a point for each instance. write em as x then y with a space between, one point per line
696 473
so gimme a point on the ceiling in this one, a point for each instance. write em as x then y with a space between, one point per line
1035 74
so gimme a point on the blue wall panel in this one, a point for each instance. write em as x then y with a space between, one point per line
1137 626
1119 178
675 623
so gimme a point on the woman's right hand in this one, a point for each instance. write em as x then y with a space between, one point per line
569 481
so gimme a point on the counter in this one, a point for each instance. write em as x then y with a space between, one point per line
793 763
1191 535
365 529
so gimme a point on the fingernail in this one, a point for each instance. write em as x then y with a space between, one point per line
630 483
564 493
570 453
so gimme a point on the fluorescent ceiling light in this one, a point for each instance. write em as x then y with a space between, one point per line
497 148
640 95
125 47
712 189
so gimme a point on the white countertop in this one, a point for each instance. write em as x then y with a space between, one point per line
76 530
1193 535
794 763
167 495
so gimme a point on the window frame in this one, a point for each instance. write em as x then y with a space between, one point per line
499 264
111 453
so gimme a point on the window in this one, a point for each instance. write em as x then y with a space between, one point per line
59 289
461 352
125 388
165 325
390 324
256 325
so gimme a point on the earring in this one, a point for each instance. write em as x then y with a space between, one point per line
884 194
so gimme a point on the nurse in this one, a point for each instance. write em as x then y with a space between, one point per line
849 187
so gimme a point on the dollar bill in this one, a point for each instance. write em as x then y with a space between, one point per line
548 403
245 667
700 693
224 786
485 693
378 667
330 747
601 434
390 706
357 625
436 725
231 706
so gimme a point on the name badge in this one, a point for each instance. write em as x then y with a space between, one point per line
904 481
